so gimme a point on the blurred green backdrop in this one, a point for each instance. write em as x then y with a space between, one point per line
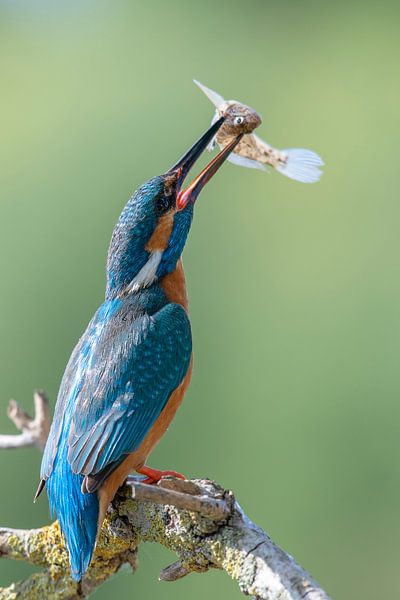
294 289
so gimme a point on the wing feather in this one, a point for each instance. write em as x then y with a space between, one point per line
133 378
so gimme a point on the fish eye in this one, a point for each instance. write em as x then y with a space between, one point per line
238 120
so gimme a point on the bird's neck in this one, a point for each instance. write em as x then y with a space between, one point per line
174 286
169 288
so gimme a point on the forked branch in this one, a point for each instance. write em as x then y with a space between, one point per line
34 430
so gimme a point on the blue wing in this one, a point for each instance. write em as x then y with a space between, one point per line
125 373
70 385
133 376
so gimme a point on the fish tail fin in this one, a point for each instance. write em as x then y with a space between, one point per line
301 165
77 513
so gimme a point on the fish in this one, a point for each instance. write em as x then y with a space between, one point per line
252 152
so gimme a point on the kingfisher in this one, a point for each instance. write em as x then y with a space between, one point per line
129 372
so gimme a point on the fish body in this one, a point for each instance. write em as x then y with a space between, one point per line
252 152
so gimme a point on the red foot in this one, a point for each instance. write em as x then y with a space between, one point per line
154 475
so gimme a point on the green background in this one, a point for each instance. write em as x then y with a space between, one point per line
294 289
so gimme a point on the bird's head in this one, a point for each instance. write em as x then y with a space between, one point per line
151 232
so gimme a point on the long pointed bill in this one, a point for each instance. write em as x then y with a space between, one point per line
184 164
193 190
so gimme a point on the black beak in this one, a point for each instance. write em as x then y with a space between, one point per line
184 165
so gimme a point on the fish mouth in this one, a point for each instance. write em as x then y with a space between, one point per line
181 169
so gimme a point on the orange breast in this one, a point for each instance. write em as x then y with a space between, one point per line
175 289
174 286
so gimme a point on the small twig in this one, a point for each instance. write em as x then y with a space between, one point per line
34 431
208 507
173 572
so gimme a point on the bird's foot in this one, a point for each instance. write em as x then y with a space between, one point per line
154 475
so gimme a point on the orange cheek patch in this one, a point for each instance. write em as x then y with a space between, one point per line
162 233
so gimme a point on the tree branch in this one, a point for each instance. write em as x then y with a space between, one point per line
34 431
198 520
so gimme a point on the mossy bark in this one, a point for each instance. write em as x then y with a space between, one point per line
234 544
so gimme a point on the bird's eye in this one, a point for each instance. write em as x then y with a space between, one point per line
238 120
163 204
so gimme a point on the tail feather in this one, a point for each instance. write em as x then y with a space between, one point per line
76 512
301 165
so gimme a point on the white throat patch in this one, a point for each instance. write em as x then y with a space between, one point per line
147 273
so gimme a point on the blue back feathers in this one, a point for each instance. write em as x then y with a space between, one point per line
136 370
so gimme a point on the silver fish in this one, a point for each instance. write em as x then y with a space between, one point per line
252 152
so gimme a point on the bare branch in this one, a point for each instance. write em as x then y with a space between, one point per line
233 544
209 507
198 520
174 572
34 431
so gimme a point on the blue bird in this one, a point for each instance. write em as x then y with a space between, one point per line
128 373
